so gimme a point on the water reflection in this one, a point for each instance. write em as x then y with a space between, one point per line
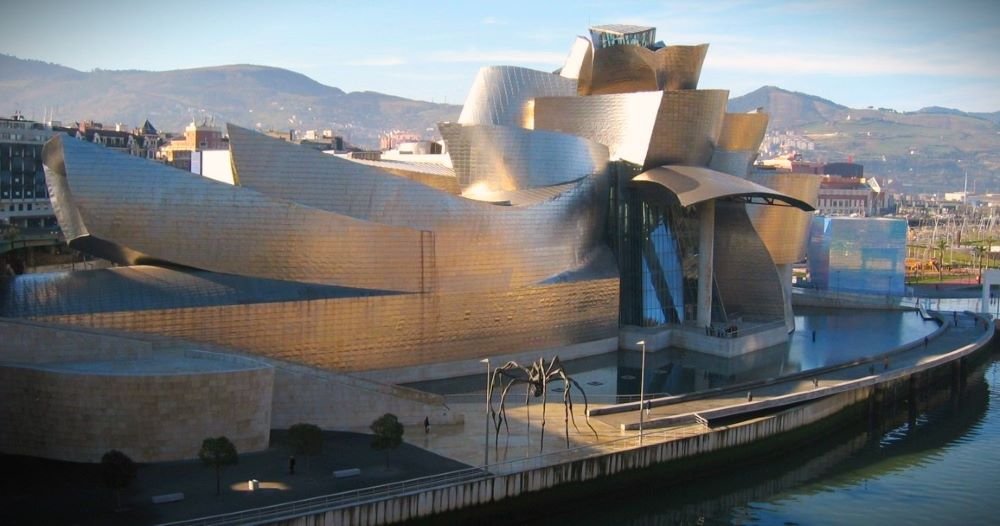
841 335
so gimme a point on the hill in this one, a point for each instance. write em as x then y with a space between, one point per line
248 95
929 150
787 109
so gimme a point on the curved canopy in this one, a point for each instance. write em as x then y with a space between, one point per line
692 184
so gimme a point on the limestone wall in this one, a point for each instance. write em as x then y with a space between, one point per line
151 418
73 394
337 401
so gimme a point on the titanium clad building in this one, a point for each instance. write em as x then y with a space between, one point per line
584 203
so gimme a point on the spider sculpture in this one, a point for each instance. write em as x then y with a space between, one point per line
536 378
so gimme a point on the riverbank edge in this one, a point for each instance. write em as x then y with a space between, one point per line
718 448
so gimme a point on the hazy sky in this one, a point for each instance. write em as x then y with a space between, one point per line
898 54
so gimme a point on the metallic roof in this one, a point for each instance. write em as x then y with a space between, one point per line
693 184
138 288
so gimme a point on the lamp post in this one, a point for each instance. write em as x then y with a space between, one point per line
486 418
642 386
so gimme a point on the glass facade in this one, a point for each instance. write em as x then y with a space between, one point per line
657 248
858 255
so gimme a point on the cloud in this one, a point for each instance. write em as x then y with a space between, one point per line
492 21
914 62
499 57
376 61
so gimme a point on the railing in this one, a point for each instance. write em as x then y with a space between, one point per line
336 500
515 399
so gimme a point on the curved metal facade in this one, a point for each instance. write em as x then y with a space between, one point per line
369 265
628 69
178 217
785 231
649 128
500 93
692 185
423 238
507 158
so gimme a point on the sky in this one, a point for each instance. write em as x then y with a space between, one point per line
903 55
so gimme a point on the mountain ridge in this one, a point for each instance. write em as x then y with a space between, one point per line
926 150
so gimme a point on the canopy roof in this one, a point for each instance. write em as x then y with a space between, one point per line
692 185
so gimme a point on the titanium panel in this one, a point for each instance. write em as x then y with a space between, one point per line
283 170
619 69
747 280
380 332
190 220
506 158
469 243
687 127
742 131
500 93
692 185
580 59
734 163
628 69
649 128
678 67
523 197
785 231
437 176
623 123
141 287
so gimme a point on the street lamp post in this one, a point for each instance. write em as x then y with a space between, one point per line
642 386
486 418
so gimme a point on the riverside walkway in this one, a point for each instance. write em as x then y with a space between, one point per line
525 454
615 427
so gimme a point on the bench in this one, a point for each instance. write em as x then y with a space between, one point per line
344 473
167 497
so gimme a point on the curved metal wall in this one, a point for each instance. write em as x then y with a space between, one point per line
628 69
785 230
499 94
507 158
619 69
649 128
678 67
745 274
190 220
735 163
742 131
423 240
580 59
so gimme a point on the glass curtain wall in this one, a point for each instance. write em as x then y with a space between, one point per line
657 247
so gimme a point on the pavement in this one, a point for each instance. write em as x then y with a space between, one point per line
45 492
35 491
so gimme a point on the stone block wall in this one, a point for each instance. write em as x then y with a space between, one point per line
52 413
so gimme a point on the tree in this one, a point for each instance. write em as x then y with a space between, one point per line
388 434
305 439
118 471
218 452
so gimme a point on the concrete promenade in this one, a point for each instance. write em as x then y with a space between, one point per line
616 427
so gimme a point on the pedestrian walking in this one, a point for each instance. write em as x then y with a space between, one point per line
427 425
291 465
